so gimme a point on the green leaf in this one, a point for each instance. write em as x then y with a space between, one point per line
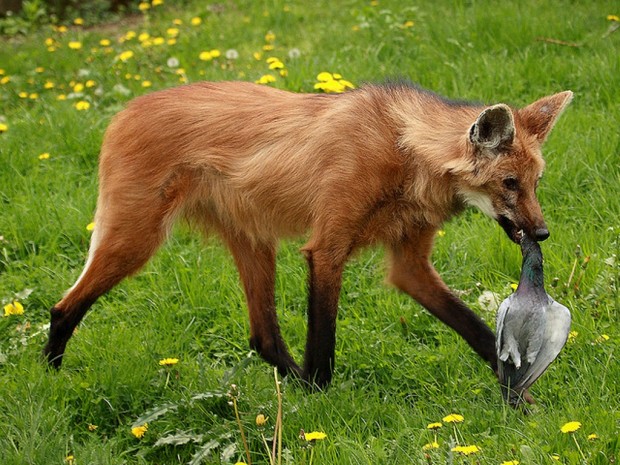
203 452
178 439
154 413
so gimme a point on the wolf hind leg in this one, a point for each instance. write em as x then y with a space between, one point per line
121 244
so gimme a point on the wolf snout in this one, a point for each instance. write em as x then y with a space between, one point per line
540 234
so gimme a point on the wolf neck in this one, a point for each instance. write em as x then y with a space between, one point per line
435 131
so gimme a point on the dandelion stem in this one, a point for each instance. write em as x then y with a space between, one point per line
277 432
245 442
271 462
579 449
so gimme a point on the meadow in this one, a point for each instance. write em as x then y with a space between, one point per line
160 370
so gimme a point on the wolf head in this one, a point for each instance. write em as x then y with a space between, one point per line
505 149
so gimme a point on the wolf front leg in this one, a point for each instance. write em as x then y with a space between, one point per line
325 277
256 263
412 272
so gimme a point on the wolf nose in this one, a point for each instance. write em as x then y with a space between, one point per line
541 234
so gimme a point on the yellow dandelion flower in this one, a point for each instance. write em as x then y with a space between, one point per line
270 37
205 56
268 47
592 437
105 42
144 6
90 227
92 427
61 97
157 2
48 85
124 56
147 84
572 336
407 24
159 41
168 361
143 36
39 69
257 56
196 21
261 419
22 94
49 42
82 105
79 87
215 53
2 72
70 459
510 462
90 83
33 96
315 436
602 338
514 286
570 427
62 29
555 457
3 128
13 308
441 233
75 45
466 450
139 431
130 35
177 21
435 425
613 18
266 79
453 418
324 77
5 80
78 21
431 445
44 156
276 65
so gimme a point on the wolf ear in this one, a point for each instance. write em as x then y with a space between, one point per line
540 116
494 129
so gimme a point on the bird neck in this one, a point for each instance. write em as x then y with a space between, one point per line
532 276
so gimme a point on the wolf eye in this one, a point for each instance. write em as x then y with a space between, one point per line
512 184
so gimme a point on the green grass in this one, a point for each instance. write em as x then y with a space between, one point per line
398 369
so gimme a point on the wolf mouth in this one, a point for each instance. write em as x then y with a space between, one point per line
512 230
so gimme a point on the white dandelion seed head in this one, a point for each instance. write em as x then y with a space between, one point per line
173 62
232 54
294 53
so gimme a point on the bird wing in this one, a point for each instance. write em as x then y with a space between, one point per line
557 327
521 326
539 344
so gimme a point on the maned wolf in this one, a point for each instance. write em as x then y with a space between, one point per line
382 164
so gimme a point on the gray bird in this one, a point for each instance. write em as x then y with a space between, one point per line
532 328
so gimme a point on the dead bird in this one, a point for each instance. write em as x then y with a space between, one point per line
532 328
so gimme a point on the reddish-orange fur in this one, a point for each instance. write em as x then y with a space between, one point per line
384 164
